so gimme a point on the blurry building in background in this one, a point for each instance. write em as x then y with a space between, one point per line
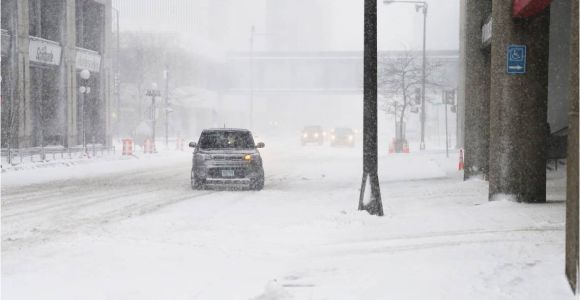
297 25
45 45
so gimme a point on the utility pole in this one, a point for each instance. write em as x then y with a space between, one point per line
153 92
372 204
166 75
118 76
445 99
422 146
253 31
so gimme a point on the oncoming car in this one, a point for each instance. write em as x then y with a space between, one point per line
312 134
227 157
342 137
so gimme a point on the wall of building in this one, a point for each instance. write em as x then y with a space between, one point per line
559 72
49 43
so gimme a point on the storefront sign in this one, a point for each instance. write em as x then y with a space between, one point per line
87 59
44 51
529 8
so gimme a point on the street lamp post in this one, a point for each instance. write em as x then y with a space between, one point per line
167 108
252 33
84 89
423 6
118 76
153 92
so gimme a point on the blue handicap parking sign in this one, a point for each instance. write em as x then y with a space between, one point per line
516 59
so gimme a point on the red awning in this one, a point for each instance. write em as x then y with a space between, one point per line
529 8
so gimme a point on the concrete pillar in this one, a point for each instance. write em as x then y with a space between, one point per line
22 75
107 71
477 75
68 72
518 107
572 260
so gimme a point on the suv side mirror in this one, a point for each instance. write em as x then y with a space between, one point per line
192 144
260 145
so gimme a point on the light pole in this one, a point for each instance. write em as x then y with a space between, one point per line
420 5
167 108
153 92
84 89
118 75
252 33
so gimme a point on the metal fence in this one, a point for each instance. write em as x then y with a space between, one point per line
43 154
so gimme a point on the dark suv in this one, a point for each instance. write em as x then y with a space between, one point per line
342 137
227 157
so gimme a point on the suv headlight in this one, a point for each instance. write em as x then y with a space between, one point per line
200 156
251 157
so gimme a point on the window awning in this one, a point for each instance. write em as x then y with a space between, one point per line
529 8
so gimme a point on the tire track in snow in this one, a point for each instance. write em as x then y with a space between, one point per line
429 240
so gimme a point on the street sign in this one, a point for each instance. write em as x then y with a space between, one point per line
516 59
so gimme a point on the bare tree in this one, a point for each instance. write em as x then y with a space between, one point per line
400 79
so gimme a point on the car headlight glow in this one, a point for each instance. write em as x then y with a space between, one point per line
305 135
248 157
350 137
316 135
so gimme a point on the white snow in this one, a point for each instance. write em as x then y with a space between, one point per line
134 229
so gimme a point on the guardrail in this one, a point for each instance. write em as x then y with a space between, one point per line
42 154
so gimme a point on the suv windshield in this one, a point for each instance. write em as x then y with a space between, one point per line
226 140
312 128
343 131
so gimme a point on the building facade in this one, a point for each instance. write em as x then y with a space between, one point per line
45 46
519 88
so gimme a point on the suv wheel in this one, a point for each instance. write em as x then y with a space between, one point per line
257 184
195 182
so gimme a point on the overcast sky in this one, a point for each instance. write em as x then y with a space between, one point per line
400 26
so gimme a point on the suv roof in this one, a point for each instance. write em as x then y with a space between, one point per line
227 129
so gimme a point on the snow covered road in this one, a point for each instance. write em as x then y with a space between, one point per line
134 229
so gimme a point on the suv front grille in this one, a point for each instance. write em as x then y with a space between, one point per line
217 173
227 157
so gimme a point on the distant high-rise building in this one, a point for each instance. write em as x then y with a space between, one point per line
297 25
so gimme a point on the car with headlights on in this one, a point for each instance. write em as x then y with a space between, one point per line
312 135
227 157
342 137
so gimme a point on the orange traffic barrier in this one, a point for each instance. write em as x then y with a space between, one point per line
406 148
148 146
461 164
127 147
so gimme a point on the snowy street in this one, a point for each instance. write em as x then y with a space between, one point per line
134 229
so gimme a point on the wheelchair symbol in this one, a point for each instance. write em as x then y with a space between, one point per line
516 54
